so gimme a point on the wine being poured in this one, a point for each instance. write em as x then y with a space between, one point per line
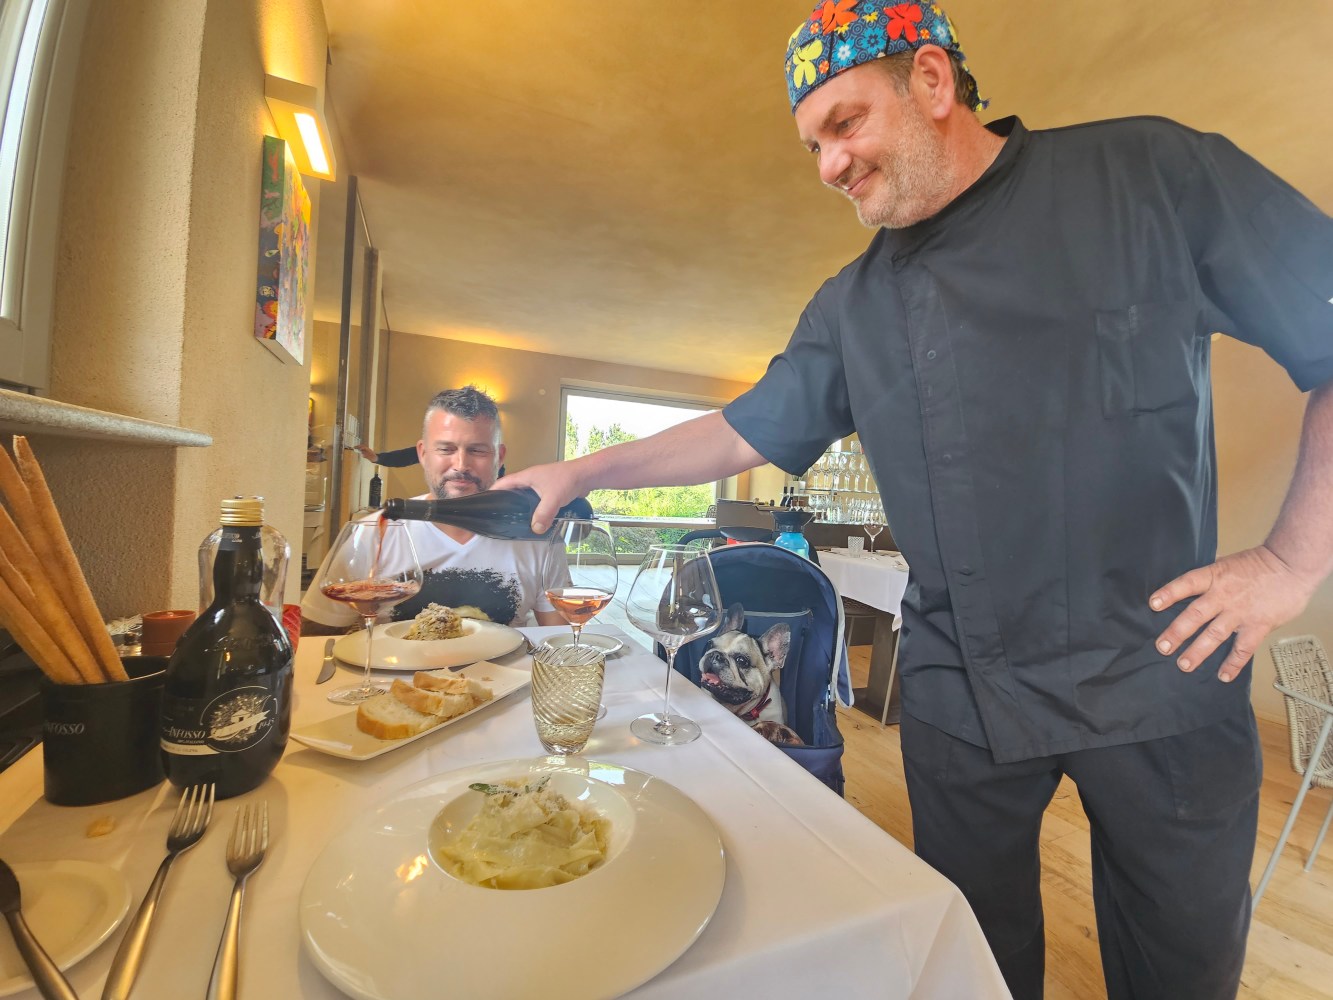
373 567
578 605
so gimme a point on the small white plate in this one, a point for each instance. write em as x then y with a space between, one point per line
339 736
607 644
380 918
71 907
479 641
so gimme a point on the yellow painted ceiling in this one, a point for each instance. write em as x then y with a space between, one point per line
622 181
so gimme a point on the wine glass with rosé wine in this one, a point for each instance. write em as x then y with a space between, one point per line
373 567
589 551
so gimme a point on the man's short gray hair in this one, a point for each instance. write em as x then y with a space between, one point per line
469 403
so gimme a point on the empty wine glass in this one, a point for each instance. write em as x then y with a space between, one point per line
874 525
373 566
588 549
674 599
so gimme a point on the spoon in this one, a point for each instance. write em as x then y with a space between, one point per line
50 982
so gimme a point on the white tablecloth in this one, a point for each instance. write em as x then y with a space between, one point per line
878 580
818 901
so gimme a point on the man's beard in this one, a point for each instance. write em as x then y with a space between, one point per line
440 488
913 176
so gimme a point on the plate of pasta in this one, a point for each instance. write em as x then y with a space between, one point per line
499 878
393 650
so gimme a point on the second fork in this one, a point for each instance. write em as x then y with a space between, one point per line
245 853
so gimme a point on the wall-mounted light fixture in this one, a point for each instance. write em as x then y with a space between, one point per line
299 114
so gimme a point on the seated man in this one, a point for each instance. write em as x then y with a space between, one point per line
461 453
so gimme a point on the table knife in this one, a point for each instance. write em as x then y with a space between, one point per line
45 974
330 665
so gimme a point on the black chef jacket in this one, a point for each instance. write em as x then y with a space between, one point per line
1029 375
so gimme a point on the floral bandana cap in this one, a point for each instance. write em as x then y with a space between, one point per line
841 34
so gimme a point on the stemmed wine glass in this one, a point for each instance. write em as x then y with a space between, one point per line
373 566
874 525
589 551
674 599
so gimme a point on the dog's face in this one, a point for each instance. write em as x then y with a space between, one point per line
735 668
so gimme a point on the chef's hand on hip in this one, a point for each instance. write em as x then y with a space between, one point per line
1247 594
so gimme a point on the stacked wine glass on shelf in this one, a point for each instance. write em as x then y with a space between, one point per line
840 488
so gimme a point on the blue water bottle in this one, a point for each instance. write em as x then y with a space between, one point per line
790 523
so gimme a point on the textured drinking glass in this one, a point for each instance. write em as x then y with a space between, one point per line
566 691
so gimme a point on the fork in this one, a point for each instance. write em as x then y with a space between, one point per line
193 812
245 853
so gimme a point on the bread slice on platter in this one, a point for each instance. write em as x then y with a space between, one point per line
437 703
386 718
408 709
448 682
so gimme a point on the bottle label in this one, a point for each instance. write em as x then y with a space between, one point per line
235 720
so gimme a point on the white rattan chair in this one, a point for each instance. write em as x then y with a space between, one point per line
1305 678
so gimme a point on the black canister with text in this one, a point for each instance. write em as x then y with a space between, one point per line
227 699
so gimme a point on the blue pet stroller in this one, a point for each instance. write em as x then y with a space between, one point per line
775 585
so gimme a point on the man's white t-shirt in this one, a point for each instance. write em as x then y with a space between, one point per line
507 580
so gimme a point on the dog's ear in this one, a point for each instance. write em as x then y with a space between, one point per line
735 620
776 644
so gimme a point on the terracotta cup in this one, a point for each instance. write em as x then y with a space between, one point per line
161 629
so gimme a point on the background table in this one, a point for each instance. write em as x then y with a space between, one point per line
818 900
878 581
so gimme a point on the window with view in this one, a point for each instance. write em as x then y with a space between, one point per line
39 45
595 420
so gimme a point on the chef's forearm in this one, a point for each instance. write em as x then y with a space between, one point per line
702 450
1303 535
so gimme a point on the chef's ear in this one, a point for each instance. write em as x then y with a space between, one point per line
932 81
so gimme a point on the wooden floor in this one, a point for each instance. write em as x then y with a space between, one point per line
1290 954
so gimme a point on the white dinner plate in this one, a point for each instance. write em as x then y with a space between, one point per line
383 921
71 907
339 737
479 641
607 644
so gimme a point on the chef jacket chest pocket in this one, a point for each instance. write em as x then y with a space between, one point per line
1148 357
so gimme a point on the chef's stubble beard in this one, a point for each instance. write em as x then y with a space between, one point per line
914 177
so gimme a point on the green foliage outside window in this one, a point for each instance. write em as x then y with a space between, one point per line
652 501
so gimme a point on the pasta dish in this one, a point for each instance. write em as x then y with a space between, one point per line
526 836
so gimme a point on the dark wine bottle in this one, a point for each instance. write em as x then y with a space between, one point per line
494 513
376 496
227 695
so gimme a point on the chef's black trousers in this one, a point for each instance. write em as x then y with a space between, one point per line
1172 824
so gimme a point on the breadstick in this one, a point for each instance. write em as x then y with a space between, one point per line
19 568
35 642
52 537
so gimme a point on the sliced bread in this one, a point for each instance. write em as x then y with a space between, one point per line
438 703
387 718
451 683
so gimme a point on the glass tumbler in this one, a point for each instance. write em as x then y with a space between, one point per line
566 693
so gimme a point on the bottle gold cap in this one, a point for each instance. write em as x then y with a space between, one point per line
243 512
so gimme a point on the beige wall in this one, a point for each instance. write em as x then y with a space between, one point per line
526 385
1259 414
155 287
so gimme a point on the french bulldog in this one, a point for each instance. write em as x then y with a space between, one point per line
743 675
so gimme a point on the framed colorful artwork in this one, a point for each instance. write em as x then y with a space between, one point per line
284 254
